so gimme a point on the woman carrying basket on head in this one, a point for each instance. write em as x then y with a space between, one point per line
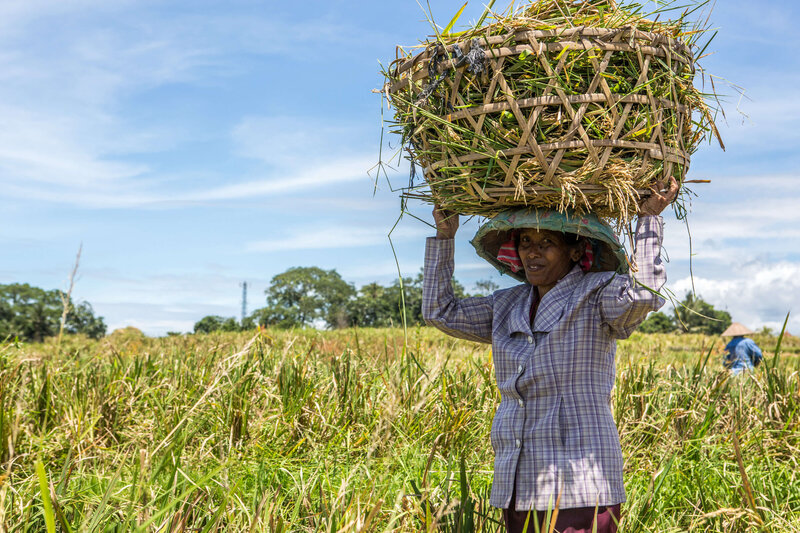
553 344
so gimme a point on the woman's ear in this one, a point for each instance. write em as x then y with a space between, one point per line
576 252
575 255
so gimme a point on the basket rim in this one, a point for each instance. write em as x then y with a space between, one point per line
664 46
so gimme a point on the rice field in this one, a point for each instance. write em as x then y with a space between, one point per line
365 430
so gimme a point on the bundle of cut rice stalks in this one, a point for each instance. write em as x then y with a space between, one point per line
558 104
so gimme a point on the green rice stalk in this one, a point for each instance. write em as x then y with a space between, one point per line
47 508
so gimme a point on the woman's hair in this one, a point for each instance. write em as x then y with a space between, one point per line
570 239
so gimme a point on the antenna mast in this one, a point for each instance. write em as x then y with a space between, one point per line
244 301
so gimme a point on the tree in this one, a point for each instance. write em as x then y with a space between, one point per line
305 296
302 296
211 323
375 306
412 296
249 323
82 320
33 314
694 315
378 306
657 323
486 287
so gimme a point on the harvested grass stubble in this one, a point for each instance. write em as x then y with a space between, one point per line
562 104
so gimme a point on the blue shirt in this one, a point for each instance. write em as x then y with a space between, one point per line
743 354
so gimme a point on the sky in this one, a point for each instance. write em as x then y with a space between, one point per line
192 145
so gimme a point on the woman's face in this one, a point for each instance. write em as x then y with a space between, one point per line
546 257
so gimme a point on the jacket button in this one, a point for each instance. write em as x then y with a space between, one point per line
530 339
520 368
521 403
519 443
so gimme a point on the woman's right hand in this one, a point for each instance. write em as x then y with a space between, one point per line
446 223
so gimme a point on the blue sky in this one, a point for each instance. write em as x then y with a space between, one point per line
193 145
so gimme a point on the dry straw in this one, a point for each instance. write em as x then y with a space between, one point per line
558 104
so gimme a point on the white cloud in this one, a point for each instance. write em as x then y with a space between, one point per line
50 150
743 217
15 14
772 221
755 294
350 205
67 135
332 237
765 118
106 194
291 141
159 303
774 183
308 178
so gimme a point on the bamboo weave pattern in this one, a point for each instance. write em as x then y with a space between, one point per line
561 116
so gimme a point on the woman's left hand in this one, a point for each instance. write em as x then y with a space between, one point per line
660 198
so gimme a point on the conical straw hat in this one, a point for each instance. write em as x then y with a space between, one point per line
736 330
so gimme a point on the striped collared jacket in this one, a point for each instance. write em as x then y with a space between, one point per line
553 432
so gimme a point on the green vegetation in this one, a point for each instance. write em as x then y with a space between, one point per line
33 314
692 315
306 296
310 296
657 322
212 323
302 295
302 430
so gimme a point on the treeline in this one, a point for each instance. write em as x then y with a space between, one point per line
692 315
33 314
305 297
311 296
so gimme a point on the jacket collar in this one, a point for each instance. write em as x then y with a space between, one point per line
519 317
551 308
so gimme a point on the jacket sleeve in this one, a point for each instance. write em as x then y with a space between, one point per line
469 318
755 352
627 299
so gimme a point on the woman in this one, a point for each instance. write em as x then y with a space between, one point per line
553 344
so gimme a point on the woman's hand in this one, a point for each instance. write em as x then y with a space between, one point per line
660 198
446 223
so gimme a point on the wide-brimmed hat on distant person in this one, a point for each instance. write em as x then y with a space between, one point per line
736 330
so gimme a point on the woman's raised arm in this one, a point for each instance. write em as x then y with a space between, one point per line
626 300
468 318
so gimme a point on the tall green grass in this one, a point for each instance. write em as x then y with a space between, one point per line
352 431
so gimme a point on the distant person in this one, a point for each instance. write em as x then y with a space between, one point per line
743 353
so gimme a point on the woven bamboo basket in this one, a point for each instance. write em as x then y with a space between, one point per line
580 105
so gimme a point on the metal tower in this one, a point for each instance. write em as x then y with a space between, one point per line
244 301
